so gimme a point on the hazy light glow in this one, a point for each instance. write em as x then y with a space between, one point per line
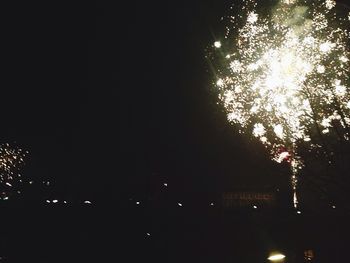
285 73
276 257
217 44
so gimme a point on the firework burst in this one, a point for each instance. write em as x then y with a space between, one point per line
283 76
11 161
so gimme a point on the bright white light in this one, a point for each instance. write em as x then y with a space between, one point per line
276 257
137 202
330 4
289 2
298 212
320 69
179 204
326 47
87 202
252 17
343 59
235 66
54 201
217 44
259 130
165 184
255 207
220 83
278 129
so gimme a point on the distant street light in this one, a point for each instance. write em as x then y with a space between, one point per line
276 257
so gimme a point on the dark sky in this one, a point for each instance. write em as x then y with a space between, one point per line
109 97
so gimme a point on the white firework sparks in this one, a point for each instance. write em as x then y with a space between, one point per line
11 160
286 73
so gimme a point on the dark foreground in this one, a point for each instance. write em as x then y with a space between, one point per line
135 233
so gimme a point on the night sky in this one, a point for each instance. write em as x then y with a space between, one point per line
112 100
108 97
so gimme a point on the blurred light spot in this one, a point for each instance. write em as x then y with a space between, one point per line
217 44
276 257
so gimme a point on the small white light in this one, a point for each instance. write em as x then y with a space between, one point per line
48 201
219 82
255 207
320 69
87 202
65 201
298 212
179 204
165 184
137 202
148 234
217 44
211 204
343 59
333 206
54 201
